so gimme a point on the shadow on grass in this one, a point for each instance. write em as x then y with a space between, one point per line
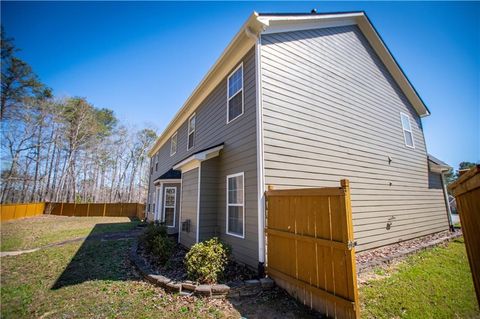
101 256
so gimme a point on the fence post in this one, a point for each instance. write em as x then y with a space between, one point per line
104 208
88 209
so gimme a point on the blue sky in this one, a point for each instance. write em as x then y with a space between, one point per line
144 59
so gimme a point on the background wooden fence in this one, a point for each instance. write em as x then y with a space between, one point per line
310 248
16 211
467 193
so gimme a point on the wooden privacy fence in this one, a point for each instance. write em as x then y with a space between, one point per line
100 209
467 193
16 211
310 248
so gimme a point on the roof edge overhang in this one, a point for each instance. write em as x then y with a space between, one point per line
243 41
271 23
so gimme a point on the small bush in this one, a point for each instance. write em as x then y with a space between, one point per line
156 242
162 249
207 260
151 231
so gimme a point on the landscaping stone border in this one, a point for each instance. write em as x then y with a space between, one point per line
237 289
402 253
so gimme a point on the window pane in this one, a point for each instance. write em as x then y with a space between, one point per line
408 138
235 82
174 144
191 126
191 137
406 122
170 197
169 215
235 220
235 190
235 106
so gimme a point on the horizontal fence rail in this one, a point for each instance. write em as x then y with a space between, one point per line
24 210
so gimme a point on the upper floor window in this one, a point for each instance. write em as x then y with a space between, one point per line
235 205
191 132
235 94
173 144
407 130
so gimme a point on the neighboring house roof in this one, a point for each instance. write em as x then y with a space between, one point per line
170 174
437 165
247 37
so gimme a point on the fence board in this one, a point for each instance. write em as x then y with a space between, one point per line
309 251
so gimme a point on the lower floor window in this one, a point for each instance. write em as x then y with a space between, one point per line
235 205
169 206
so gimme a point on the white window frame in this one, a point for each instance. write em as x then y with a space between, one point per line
231 97
174 204
405 129
193 132
242 205
172 152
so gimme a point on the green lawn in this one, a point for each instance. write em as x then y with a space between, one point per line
94 279
35 232
432 284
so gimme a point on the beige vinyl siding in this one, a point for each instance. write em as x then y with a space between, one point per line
331 110
208 199
189 206
238 155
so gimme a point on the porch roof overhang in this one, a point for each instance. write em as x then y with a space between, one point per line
194 160
173 176
437 166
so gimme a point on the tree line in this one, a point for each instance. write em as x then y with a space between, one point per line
64 149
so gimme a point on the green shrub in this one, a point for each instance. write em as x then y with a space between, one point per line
156 242
162 249
207 260
150 233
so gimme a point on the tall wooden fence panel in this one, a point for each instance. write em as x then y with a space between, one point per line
16 211
467 193
310 248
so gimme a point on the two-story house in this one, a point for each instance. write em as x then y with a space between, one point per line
295 101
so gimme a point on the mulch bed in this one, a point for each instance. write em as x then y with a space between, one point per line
371 258
175 269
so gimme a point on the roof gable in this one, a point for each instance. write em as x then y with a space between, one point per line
258 24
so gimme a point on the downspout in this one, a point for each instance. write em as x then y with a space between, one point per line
260 161
447 203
